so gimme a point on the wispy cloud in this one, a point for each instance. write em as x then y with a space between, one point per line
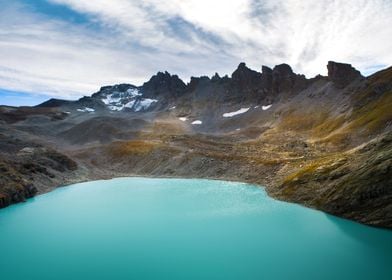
129 40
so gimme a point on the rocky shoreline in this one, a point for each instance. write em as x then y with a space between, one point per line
262 176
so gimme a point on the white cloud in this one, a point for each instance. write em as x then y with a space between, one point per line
42 55
138 38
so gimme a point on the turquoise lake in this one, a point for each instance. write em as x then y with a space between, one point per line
138 228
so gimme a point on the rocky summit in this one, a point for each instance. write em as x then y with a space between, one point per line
324 142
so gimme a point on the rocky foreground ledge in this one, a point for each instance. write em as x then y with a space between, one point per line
324 142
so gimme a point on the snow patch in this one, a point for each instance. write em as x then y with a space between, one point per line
232 114
130 104
197 122
133 92
86 110
266 107
115 101
144 104
131 99
183 119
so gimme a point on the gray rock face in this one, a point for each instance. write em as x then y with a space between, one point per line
266 77
199 82
163 84
283 78
245 76
342 74
245 84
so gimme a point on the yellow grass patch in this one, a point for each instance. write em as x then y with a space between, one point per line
374 116
135 147
302 121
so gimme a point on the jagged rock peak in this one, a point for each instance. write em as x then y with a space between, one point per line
283 69
164 77
283 78
201 78
164 83
244 73
242 65
242 68
266 70
196 81
216 77
342 74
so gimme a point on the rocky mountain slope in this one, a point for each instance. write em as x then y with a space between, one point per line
325 142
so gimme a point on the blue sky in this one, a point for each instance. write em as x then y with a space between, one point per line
20 99
70 48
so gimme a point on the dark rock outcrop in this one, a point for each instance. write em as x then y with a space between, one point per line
244 77
245 85
266 77
342 74
197 82
164 84
27 167
283 78
216 78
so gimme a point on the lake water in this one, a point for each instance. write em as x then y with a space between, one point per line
138 228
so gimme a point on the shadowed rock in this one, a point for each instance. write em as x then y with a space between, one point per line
283 78
243 75
163 83
53 102
342 74
266 77
245 84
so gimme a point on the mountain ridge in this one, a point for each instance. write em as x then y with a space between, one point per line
280 78
324 142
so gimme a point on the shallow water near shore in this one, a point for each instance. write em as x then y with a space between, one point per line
139 228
